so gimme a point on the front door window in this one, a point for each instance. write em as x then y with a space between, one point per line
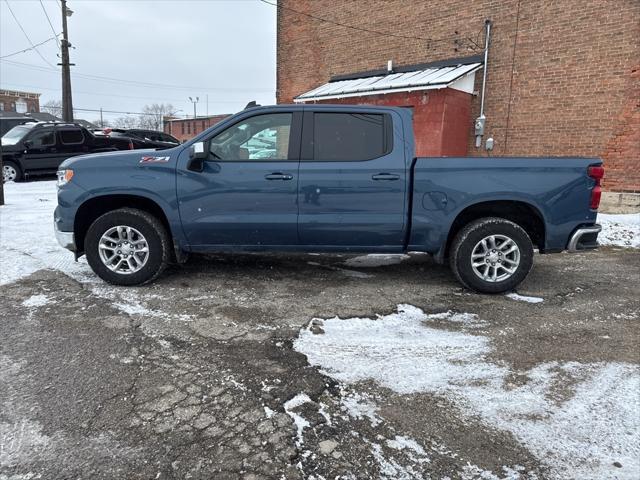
263 137
43 138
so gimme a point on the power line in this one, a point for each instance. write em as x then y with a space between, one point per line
28 49
27 36
111 111
115 95
50 24
134 82
363 29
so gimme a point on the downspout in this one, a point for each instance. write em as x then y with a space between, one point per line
480 121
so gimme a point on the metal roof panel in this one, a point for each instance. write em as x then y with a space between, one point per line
428 78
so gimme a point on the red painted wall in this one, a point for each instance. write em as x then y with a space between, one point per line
441 118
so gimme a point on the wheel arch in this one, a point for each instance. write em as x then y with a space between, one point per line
95 207
522 213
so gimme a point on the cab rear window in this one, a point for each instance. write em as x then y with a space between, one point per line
71 136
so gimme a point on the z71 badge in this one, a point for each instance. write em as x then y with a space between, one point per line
154 159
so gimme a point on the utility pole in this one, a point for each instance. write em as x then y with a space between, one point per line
67 103
194 104
101 120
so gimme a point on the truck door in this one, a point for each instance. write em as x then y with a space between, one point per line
71 141
352 188
247 190
40 149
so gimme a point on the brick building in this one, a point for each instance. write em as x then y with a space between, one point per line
187 128
563 76
19 102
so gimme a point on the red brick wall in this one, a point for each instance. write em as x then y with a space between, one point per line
560 79
190 127
8 100
439 118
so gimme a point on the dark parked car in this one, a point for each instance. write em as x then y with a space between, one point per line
143 138
8 122
38 148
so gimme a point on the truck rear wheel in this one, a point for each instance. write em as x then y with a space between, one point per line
491 255
127 247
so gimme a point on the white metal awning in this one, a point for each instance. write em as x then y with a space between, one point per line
460 77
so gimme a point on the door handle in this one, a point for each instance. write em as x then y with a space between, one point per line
385 176
278 176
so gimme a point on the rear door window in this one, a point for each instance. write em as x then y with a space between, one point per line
71 136
350 136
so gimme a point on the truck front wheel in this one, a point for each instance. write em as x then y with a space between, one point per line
491 255
10 172
127 247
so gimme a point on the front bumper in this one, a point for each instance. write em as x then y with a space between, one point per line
65 239
584 238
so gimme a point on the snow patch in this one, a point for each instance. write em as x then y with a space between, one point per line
413 448
466 319
524 298
300 422
376 260
268 412
578 434
27 239
35 301
359 406
619 230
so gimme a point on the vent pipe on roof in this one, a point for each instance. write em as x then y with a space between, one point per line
390 66
480 121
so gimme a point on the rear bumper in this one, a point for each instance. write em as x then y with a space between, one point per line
65 239
584 238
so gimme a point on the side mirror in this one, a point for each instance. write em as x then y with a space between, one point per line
197 151
28 144
197 156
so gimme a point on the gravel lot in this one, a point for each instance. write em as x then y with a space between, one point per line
235 366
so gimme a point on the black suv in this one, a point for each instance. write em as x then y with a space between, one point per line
39 148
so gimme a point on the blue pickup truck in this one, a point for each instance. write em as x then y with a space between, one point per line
323 178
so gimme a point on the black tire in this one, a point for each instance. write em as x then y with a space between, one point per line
16 169
149 226
469 237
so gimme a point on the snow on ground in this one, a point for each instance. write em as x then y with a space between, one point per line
376 260
524 298
27 239
300 422
580 436
35 301
621 230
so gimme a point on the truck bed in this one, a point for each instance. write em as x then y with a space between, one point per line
557 189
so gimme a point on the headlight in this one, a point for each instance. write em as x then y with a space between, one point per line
64 177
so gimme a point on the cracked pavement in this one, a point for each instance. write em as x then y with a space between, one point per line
195 376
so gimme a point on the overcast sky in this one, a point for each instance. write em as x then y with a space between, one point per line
221 48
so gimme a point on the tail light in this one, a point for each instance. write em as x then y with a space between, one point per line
596 172
130 144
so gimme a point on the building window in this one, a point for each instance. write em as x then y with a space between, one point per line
203 127
21 106
1 106
188 128
13 107
182 125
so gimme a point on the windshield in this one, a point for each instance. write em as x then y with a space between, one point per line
14 135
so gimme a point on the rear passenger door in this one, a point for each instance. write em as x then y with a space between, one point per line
352 186
71 141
